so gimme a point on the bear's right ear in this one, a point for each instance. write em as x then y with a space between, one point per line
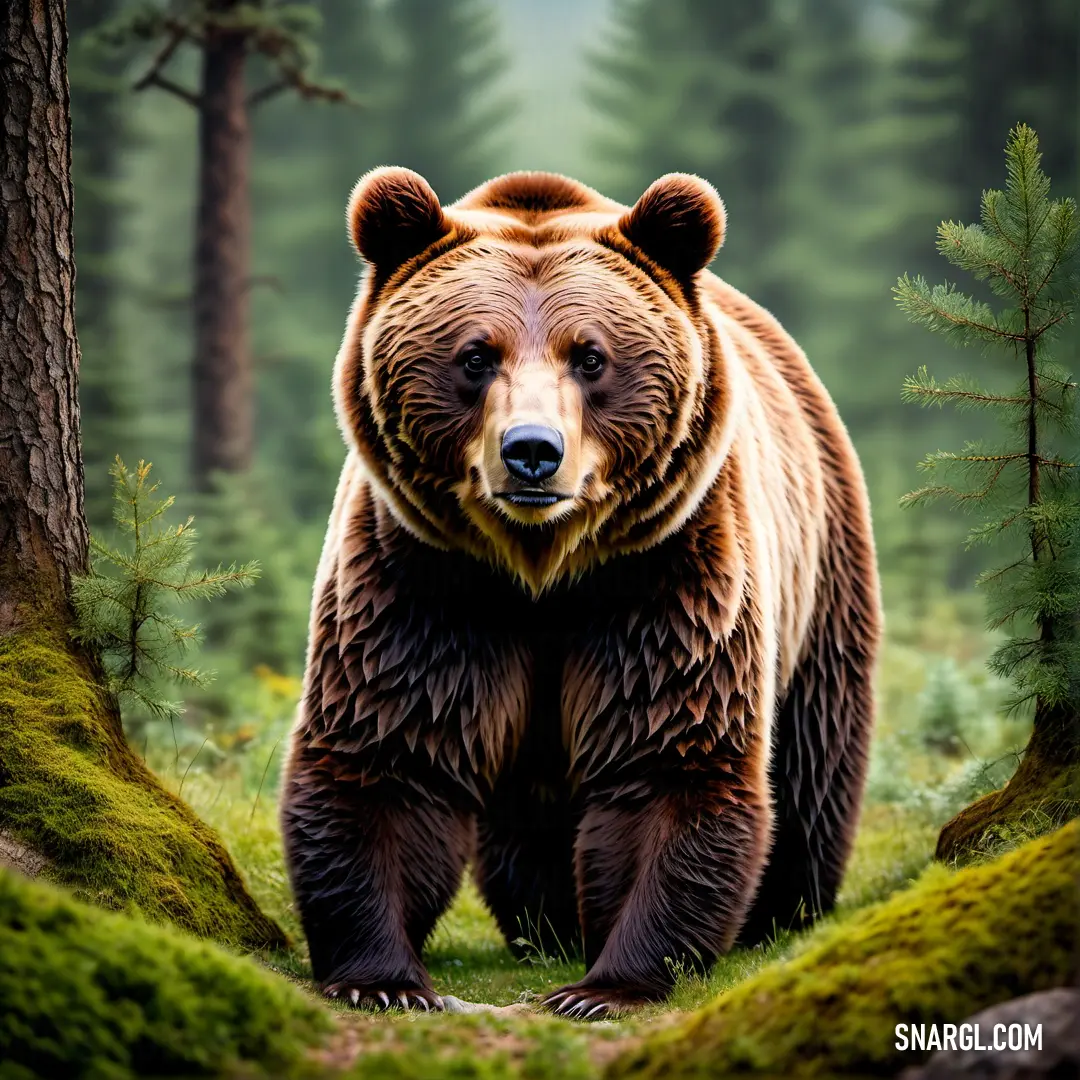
678 222
393 216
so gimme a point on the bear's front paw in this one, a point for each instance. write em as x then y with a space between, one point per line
364 997
595 1002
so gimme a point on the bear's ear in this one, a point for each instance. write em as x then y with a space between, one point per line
393 216
678 222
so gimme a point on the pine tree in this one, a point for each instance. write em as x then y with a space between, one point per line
124 605
1026 488
227 34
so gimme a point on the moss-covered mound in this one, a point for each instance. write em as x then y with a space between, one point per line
953 944
73 790
88 993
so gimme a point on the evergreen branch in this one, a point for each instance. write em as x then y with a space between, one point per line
990 209
294 79
942 302
1020 249
1050 324
924 385
988 577
955 242
257 97
1006 458
935 491
1061 250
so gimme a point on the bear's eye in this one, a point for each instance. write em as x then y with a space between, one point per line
589 361
476 361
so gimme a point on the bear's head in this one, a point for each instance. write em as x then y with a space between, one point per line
531 375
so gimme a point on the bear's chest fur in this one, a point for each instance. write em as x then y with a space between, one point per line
413 647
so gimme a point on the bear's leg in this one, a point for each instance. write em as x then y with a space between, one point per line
525 863
525 851
821 741
666 869
373 866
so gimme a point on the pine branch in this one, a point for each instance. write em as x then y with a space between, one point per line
296 81
943 308
959 390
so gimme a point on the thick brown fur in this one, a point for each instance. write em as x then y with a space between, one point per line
636 694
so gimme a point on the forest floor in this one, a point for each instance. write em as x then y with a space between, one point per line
469 959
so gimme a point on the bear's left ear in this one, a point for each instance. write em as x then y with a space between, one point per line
393 216
678 222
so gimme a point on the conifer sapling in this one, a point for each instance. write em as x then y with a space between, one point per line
124 605
1024 487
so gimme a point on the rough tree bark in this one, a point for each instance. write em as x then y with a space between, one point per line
74 799
43 537
223 383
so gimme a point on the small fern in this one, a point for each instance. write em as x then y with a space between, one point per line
123 606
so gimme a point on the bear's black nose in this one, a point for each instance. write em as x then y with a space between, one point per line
532 452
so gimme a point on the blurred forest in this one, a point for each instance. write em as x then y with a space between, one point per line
839 132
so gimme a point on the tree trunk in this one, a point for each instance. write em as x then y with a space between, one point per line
1043 792
223 436
43 537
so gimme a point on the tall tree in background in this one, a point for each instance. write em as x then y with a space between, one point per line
227 34
443 112
836 196
1026 488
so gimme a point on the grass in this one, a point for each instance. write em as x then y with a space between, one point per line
121 994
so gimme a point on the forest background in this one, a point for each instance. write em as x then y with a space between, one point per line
839 133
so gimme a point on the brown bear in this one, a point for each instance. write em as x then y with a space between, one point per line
598 607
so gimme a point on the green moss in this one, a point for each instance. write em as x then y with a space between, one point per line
953 944
89 993
73 790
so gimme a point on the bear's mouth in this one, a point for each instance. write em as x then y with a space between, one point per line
531 497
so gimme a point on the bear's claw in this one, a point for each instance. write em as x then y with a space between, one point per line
591 1003
368 997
